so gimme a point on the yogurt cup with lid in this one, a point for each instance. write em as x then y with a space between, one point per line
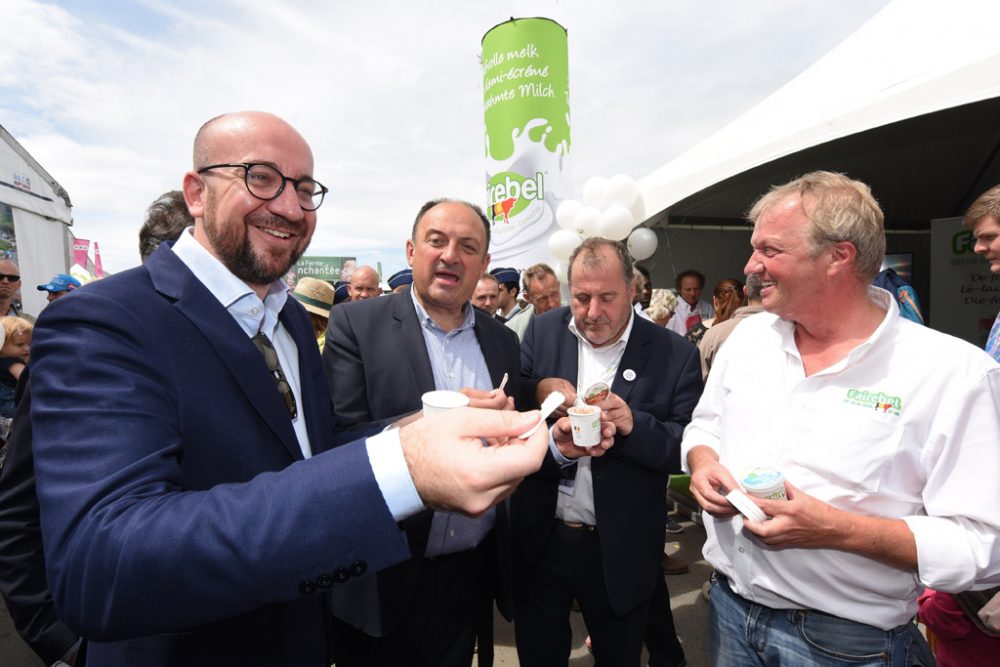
766 483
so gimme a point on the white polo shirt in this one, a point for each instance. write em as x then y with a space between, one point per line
906 426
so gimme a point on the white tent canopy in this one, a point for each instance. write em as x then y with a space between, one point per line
42 213
909 103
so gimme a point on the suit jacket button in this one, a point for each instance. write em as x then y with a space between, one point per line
307 587
324 581
358 568
341 575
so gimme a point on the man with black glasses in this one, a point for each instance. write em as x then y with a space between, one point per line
192 507
10 282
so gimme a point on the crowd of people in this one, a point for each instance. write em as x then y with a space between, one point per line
208 467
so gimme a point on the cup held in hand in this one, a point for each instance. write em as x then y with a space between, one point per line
441 401
585 421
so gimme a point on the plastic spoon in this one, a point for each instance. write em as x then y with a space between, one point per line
551 402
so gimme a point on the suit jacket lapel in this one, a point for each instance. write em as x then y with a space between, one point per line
319 414
492 352
637 352
569 354
174 280
410 338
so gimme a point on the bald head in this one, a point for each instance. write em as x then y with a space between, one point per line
258 238
218 138
364 284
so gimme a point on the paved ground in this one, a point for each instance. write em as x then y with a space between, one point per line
690 609
690 615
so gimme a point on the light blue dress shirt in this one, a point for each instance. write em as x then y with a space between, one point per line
993 342
457 362
384 450
252 314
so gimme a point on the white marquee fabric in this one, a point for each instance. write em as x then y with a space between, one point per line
912 59
42 213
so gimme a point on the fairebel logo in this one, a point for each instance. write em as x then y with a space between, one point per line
510 193
875 400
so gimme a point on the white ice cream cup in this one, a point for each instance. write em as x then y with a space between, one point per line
441 401
586 423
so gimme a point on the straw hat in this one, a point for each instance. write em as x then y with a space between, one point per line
315 294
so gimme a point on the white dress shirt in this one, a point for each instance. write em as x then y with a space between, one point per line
678 323
594 364
385 452
906 426
252 314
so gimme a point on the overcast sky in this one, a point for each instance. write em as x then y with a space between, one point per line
107 95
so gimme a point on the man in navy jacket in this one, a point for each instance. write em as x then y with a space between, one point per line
192 509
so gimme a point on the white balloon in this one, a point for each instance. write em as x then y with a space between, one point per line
566 213
638 209
587 222
562 243
616 222
642 243
595 192
562 271
622 190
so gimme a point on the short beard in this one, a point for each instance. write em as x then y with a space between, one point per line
236 254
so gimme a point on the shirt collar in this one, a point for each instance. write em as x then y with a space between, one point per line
618 343
468 316
881 298
243 304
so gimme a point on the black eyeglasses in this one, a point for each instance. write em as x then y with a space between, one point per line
267 183
263 344
10 277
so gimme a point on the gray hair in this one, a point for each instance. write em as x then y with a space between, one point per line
662 303
166 218
591 251
444 200
838 209
535 272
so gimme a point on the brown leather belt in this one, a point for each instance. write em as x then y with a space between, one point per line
574 525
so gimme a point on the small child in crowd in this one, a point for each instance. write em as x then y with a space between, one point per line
13 358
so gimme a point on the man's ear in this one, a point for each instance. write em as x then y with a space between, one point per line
194 194
409 252
842 256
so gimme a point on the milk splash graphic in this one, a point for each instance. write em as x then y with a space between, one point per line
526 100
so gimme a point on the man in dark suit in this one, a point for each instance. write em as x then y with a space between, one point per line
592 528
192 510
380 357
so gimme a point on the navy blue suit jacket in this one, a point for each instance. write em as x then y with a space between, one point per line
377 363
630 480
180 521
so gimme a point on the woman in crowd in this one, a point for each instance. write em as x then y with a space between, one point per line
726 298
317 297
662 304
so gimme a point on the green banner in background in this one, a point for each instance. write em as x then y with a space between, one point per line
526 102
330 269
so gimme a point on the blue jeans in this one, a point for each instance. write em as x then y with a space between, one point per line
743 633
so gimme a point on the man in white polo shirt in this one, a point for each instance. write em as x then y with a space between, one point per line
886 433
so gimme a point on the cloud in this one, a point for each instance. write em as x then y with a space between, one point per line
108 96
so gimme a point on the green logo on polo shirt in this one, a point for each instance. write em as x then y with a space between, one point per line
875 400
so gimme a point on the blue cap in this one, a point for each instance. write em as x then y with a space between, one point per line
341 293
400 278
61 283
507 275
